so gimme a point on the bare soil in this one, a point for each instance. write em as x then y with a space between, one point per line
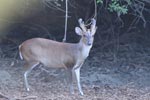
102 78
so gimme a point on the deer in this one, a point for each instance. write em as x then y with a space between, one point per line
53 54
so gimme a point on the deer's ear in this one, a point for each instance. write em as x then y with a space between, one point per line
78 31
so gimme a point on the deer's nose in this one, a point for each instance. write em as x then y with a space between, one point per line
89 43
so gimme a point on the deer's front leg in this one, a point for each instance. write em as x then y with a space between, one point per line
77 73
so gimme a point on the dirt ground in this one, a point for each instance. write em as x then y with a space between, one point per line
102 78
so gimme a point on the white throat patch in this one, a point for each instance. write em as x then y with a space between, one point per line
86 50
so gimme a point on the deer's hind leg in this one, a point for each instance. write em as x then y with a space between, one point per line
28 69
70 80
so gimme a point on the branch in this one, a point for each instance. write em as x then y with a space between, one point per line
66 21
3 96
94 15
52 6
138 7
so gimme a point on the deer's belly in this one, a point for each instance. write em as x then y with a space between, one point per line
52 63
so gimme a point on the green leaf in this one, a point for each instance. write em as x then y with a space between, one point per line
99 1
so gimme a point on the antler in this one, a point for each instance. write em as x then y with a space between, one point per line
93 26
81 23
93 21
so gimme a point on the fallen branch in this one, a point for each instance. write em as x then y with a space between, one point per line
3 96
25 98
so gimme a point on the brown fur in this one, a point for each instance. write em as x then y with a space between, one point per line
49 52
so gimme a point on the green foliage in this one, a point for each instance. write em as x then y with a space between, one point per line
115 6
99 1
118 6
128 2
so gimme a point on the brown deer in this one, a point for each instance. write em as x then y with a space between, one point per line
55 54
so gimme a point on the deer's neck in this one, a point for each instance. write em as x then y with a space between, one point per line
84 49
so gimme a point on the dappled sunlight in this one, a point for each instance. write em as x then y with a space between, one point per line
14 11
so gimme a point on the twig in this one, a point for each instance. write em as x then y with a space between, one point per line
42 27
11 48
25 98
50 5
95 14
3 96
43 69
138 7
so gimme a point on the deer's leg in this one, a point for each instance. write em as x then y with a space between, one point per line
77 73
76 69
29 67
70 80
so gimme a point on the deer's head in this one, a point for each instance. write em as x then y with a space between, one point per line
87 34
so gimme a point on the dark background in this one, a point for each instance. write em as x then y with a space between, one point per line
44 19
